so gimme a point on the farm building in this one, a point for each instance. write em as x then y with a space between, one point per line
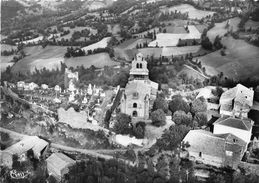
218 150
58 164
239 127
34 143
236 101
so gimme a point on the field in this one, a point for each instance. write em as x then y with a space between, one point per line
101 44
5 62
38 57
98 60
169 51
193 12
127 49
168 39
221 29
241 60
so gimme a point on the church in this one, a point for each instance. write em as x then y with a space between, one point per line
140 93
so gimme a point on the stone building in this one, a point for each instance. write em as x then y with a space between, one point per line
140 92
236 101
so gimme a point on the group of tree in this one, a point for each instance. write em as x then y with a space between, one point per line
77 52
124 126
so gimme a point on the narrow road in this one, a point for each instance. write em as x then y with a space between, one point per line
93 153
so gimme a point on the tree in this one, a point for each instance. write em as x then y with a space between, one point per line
206 44
172 137
158 117
160 103
122 124
199 105
177 103
139 130
180 117
200 118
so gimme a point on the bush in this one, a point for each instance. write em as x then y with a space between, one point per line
199 105
200 118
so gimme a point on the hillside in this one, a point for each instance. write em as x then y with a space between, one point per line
241 60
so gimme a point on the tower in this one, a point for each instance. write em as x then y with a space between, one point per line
139 69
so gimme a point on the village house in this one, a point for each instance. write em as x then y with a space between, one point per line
57 88
20 85
241 128
44 86
236 101
58 165
220 150
34 143
139 94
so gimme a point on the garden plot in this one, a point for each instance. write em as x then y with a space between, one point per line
192 11
101 44
168 39
221 29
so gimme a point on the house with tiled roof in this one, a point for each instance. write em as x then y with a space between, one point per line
236 101
34 143
240 127
58 165
220 150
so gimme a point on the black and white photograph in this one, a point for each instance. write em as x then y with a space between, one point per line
129 91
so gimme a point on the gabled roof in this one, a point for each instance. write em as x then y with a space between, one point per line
59 161
27 143
213 145
242 124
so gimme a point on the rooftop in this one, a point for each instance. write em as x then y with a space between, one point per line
243 124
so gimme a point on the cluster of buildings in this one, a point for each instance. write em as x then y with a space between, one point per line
232 130
57 163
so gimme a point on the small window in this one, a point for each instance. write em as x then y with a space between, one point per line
140 66
135 105
137 65
200 154
134 113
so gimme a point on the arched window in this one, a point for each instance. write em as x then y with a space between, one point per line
137 65
135 105
140 66
134 113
